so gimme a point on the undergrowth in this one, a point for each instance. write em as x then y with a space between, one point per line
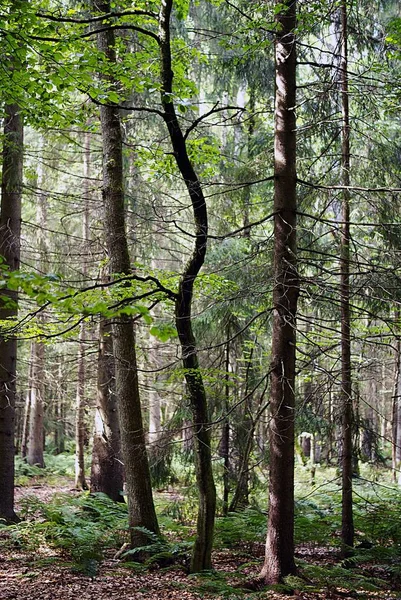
81 527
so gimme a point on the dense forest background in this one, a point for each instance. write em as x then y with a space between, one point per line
200 238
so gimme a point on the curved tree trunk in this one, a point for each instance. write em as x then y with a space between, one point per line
139 490
201 556
10 234
279 558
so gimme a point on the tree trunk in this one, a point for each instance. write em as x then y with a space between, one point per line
396 413
80 481
27 415
201 555
10 235
347 526
107 473
59 413
279 558
225 440
140 501
35 438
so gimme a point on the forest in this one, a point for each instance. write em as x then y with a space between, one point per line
200 304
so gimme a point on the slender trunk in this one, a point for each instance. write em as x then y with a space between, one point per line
10 235
155 412
80 434
35 438
279 558
107 473
59 433
80 480
201 555
347 526
140 501
247 189
396 414
225 445
27 413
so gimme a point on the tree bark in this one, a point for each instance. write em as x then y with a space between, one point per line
10 235
80 481
35 437
347 526
279 557
27 413
140 501
396 414
107 473
201 555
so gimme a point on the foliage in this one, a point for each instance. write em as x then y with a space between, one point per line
240 528
82 527
160 552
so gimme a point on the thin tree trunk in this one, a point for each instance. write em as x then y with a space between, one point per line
35 438
155 413
225 444
347 526
80 435
140 501
279 558
59 433
10 235
27 413
396 414
201 555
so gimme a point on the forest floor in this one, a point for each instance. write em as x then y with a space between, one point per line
46 574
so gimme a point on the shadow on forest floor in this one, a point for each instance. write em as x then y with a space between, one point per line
44 571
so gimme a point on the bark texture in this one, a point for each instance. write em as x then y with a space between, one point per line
347 525
36 433
201 556
10 234
279 558
37 363
80 434
139 490
107 473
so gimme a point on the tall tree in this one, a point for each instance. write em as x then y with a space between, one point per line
80 479
347 526
140 501
279 558
37 362
10 234
201 555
